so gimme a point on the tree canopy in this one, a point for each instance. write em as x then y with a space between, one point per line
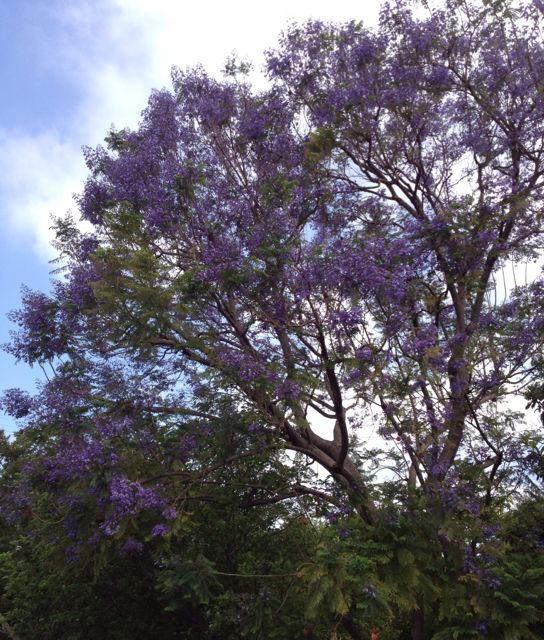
328 253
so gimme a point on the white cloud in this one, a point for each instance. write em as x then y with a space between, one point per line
112 52
38 176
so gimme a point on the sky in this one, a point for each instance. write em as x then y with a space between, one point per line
69 70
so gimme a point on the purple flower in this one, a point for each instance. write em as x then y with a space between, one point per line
439 77
159 531
170 513
288 390
187 445
492 583
71 554
129 497
364 354
16 403
481 627
473 507
110 527
131 546
491 531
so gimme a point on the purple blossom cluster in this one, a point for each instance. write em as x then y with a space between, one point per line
247 366
40 337
127 496
131 546
159 531
16 403
333 517
187 445
288 390
76 458
481 566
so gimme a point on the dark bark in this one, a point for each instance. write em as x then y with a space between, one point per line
351 628
418 624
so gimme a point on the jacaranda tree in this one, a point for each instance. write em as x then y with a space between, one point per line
329 251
